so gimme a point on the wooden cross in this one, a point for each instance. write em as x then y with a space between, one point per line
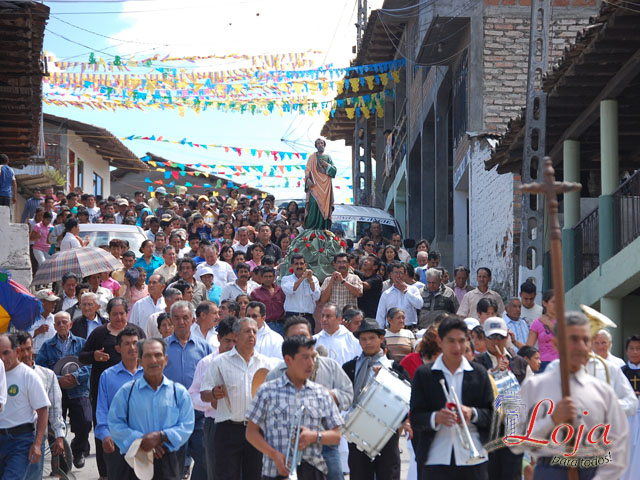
550 188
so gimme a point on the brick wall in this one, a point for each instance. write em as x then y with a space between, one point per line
491 220
505 55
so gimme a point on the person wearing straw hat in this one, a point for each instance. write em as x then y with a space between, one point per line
151 418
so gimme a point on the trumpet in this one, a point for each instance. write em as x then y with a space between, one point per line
463 430
293 456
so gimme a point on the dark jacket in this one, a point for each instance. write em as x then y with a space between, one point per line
80 326
444 300
517 364
427 397
50 353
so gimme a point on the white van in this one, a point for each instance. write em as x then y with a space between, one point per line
355 220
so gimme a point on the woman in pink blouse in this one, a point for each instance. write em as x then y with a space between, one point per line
542 331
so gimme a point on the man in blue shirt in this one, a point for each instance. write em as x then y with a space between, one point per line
184 351
110 382
8 185
31 205
154 409
74 386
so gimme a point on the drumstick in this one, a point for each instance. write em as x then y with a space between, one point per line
224 388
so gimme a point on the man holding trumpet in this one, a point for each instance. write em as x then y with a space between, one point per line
297 417
446 448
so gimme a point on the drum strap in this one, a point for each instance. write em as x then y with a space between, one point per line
315 368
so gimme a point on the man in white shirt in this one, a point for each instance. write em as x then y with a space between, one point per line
227 385
400 295
171 296
396 241
602 346
242 242
337 339
42 329
3 386
301 289
222 271
243 284
440 453
152 303
23 419
530 309
207 319
268 341
227 341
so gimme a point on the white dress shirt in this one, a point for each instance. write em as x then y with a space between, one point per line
222 273
238 247
618 381
410 301
302 300
194 389
211 338
615 361
232 371
43 337
341 345
447 438
143 309
269 342
68 302
231 290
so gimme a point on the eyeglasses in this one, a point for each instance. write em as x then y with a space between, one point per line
496 336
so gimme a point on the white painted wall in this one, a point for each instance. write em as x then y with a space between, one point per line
490 220
14 248
92 163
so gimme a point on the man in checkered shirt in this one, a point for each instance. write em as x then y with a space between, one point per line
274 411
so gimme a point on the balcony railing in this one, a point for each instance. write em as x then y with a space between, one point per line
627 209
587 244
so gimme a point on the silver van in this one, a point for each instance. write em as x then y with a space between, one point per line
355 220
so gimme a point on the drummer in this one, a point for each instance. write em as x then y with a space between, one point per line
360 370
275 411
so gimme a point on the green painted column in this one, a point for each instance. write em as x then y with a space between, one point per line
612 308
609 172
571 170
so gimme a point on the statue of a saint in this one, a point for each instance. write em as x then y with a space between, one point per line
319 189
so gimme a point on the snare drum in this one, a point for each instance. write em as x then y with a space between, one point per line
381 408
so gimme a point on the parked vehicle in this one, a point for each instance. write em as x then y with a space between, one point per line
100 233
355 220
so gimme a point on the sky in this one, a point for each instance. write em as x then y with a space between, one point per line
143 28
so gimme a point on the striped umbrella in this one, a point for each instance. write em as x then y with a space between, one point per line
81 261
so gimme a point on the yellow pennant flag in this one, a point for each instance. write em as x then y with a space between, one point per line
365 112
369 80
350 113
384 79
340 86
396 76
355 84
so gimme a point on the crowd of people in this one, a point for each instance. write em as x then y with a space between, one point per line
171 350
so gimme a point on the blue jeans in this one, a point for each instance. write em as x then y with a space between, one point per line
277 327
331 456
34 470
14 455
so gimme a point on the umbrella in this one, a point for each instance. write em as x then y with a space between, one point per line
82 261
17 305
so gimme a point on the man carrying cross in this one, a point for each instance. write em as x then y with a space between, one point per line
566 431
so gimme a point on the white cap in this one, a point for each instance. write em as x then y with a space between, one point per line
206 271
493 325
471 322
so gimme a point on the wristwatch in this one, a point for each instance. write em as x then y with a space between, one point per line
163 436
319 438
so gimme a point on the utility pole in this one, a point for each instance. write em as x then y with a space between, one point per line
532 229
361 22
362 176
